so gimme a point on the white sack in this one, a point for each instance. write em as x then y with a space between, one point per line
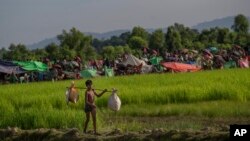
114 102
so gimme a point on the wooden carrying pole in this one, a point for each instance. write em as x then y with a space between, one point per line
86 88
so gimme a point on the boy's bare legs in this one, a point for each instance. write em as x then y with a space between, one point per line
86 122
93 113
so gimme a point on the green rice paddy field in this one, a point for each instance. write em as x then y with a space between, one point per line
169 101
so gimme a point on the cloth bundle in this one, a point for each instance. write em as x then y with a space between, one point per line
72 94
114 102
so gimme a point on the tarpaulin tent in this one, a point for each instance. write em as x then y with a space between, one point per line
88 73
108 72
213 49
134 61
244 63
32 66
9 67
230 64
155 60
180 67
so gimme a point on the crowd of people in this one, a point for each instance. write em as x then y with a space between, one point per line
207 59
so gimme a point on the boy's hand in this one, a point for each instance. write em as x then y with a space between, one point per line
93 106
105 90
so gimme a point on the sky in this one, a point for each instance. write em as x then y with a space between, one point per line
30 21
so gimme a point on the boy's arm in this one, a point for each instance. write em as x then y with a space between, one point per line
99 95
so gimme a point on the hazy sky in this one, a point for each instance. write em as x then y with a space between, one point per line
29 21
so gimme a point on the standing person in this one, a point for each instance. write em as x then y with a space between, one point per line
90 107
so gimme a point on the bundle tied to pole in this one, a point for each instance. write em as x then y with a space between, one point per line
114 102
72 94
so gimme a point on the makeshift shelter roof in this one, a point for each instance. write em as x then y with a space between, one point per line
213 49
9 67
134 61
156 60
108 72
180 67
32 65
88 73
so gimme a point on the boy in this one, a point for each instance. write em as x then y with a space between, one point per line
90 107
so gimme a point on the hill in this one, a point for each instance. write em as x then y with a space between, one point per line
222 22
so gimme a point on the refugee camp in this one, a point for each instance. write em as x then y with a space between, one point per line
124 70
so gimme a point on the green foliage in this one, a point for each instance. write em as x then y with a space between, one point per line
198 45
39 54
119 51
137 43
53 51
127 49
109 52
139 32
157 40
241 24
225 46
77 41
173 39
66 53
2 52
17 52
223 36
241 39
112 52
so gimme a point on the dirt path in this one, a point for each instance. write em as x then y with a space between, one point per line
15 134
211 129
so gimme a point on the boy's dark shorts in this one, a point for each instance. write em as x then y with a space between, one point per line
88 108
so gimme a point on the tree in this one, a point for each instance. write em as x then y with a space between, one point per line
173 39
108 52
198 45
17 52
157 40
125 36
53 51
188 36
66 53
119 50
127 49
241 39
137 43
39 54
2 52
89 53
209 37
241 24
140 32
77 41
223 36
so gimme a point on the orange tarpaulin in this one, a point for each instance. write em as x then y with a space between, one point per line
180 67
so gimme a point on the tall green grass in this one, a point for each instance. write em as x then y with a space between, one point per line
222 93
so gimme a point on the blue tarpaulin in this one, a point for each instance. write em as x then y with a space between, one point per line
9 67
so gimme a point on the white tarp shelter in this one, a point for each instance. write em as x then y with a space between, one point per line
132 60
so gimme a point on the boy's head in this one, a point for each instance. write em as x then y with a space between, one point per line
88 83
